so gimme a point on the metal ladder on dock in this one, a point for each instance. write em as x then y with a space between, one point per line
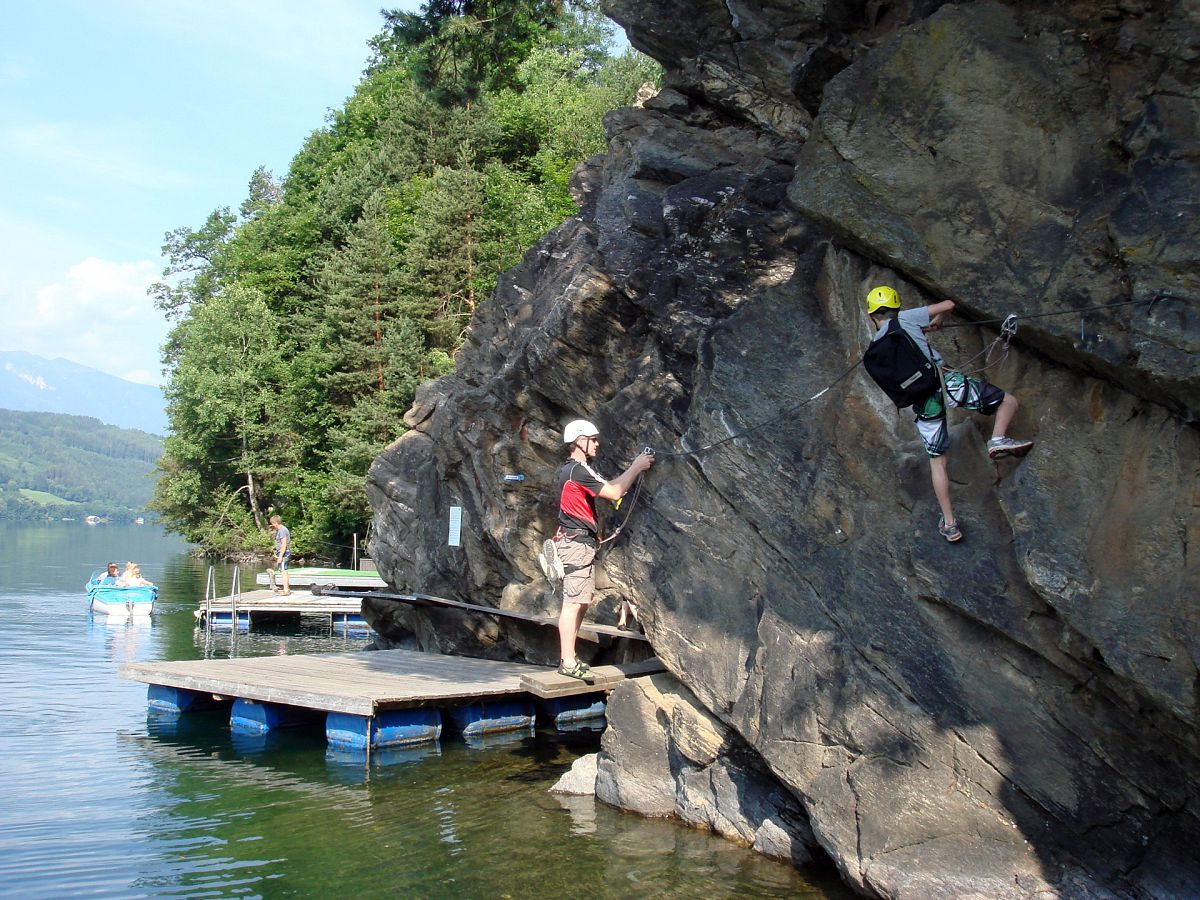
210 596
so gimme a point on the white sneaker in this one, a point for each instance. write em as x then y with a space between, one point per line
1006 446
552 566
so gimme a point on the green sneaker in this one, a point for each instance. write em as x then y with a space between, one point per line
579 670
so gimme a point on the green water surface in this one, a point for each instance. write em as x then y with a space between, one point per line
101 799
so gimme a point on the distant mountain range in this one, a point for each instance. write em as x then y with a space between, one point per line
34 384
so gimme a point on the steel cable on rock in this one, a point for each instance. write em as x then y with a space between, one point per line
1007 333
1009 327
788 410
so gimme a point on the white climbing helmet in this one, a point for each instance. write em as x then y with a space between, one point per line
577 429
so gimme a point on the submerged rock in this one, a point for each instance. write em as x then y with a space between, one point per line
1013 714
580 779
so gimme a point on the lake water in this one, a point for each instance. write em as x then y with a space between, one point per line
98 798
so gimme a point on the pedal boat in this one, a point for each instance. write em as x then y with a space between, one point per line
115 600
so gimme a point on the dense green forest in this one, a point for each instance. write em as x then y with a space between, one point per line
54 465
305 320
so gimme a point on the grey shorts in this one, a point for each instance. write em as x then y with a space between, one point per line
579 582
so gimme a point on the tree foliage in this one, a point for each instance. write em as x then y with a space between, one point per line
54 465
305 321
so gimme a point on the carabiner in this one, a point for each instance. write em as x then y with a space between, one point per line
1009 328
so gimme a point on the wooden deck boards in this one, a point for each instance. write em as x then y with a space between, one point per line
306 576
268 601
588 630
365 683
548 684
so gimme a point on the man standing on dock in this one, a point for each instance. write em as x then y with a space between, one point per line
575 541
283 553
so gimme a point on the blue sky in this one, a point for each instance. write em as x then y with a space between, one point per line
123 119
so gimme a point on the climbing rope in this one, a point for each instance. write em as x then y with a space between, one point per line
1003 342
1065 312
629 508
765 422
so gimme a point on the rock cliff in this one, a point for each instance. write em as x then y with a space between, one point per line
1013 714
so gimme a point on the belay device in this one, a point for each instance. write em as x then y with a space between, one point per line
896 364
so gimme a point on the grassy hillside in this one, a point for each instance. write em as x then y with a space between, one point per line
54 465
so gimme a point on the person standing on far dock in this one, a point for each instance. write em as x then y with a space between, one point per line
283 553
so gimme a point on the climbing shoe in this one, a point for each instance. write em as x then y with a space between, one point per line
578 670
548 559
1006 446
949 532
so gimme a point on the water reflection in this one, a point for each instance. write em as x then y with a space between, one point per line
582 811
105 799
359 767
124 639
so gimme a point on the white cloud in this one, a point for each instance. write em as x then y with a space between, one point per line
97 313
315 35
95 290
88 153
11 72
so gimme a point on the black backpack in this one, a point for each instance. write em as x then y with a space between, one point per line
897 365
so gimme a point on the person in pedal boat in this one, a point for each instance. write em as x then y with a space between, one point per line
111 575
132 577
575 541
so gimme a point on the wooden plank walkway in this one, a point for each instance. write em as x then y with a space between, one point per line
588 630
367 683
548 684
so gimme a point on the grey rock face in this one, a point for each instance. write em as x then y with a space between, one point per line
1011 714
1055 188
692 767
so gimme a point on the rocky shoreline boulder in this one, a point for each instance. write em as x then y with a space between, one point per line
1016 714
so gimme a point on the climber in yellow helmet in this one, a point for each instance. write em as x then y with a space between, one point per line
913 374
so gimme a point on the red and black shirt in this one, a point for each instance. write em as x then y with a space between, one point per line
578 486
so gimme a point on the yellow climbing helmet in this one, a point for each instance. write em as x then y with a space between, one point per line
882 297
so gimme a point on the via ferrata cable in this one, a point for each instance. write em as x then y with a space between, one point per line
1008 331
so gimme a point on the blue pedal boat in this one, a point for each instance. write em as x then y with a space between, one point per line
115 600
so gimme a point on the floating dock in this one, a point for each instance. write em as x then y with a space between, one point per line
220 612
588 631
244 607
306 577
344 609
379 699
